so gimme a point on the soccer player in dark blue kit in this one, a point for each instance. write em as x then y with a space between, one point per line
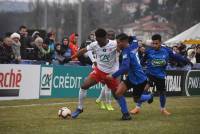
130 64
157 58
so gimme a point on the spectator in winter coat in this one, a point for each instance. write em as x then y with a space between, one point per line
191 55
141 52
16 46
50 41
198 54
41 50
111 34
25 40
175 50
65 47
73 45
6 53
59 56
35 35
87 57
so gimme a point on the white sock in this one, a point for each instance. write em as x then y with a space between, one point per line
102 94
138 107
108 95
82 95
162 109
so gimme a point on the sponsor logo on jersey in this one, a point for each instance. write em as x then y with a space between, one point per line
158 62
105 58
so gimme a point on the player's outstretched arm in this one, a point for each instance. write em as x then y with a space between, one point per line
178 57
80 53
124 66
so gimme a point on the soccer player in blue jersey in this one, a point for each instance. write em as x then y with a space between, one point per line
156 59
130 64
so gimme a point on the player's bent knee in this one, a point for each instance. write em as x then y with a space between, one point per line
85 87
118 94
114 95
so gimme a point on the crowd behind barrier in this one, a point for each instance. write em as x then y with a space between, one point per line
22 48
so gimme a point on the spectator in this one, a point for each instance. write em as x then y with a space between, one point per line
85 59
6 53
140 43
16 47
141 52
35 35
73 45
198 54
191 55
25 40
1 40
111 34
182 49
48 51
41 50
175 50
60 55
50 41
65 47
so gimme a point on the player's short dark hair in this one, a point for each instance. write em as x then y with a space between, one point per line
156 37
100 32
122 36
22 26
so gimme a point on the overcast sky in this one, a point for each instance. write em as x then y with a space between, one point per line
42 0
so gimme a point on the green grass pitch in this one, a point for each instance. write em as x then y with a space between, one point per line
41 118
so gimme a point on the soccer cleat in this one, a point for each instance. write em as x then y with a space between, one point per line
98 101
150 100
165 112
102 105
126 116
135 111
76 113
109 107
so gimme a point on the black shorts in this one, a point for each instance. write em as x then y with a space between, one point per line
137 89
159 83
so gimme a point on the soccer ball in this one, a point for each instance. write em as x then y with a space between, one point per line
64 112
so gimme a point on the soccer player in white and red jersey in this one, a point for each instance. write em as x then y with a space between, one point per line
107 60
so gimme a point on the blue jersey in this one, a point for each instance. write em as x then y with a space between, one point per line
157 61
131 64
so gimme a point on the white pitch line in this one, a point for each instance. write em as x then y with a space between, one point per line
31 105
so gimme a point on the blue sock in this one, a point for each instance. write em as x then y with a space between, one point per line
143 98
138 104
145 92
162 101
122 103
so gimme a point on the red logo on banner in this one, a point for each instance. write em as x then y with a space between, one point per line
10 82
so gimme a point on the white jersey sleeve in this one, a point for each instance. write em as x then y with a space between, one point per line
91 56
91 46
